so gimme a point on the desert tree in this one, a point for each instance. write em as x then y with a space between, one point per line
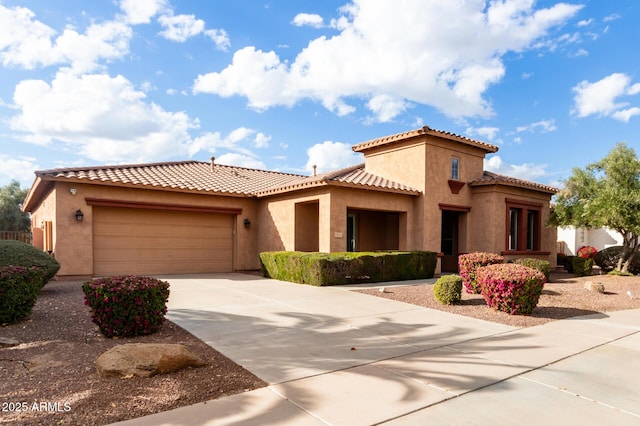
11 216
605 194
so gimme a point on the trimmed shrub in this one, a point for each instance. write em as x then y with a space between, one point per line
19 289
448 289
587 252
17 253
322 269
511 288
538 264
568 264
582 266
127 306
468 265
607 260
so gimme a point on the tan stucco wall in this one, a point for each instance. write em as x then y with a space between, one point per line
489 225
75 254
277 213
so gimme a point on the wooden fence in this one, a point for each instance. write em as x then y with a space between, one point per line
25 237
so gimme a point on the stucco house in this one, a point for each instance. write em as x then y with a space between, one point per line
423 189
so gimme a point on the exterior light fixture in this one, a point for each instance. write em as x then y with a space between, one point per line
247 223
79 215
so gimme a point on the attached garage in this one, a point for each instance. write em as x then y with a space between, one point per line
159 241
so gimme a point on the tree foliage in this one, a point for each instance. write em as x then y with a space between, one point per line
11 217
605 193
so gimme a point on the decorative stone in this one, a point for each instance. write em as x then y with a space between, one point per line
6 342
145 360
595 287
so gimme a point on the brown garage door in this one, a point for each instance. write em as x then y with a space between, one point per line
136 241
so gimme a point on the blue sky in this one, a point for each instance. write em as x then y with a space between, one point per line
283 85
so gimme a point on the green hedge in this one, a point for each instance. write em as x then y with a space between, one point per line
19 289
582 267
538 264
321 269
17 253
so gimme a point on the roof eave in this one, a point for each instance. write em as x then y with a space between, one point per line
547 190
88 181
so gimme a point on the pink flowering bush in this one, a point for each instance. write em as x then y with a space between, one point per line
127 306
511 288
587 252
469 263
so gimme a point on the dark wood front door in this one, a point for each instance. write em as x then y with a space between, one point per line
449 243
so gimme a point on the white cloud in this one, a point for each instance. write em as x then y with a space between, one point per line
489 133
448 59
180 27
28 43
602 97
542 126
141 11
585 22
212 141
101 117
626 114
310 19
261 140
329 156
233 159
611 17
526 171
219 37
18 168
386 107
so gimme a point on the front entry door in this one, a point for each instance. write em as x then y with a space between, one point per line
449 243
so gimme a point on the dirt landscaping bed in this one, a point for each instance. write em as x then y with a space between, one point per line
563 297
50 377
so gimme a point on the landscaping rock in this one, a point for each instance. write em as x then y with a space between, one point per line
145 360
595 287
7 342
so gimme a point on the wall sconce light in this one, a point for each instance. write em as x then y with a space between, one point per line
79 215
73 191
247 223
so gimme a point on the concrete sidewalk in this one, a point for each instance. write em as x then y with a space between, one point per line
332 356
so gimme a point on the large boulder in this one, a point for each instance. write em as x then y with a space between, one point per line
145 360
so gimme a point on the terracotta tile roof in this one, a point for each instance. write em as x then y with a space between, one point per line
354 176
196 176
426 130
490 178
183 176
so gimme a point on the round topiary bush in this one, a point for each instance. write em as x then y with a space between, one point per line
448 289
469 263
127 306
511 288
17 253
19 289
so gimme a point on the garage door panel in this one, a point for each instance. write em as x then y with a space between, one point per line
132 241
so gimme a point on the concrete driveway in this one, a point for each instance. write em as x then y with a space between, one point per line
332 356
